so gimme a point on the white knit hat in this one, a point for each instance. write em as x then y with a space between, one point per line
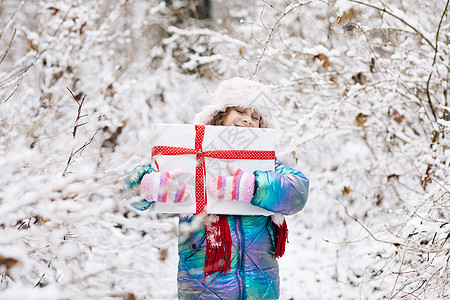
240 92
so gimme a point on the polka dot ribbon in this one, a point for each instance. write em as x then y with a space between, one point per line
200 170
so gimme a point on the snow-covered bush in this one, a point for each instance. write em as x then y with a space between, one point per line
362 89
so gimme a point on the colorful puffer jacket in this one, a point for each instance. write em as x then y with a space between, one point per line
254 270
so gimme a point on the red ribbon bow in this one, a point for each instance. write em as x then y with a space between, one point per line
200 171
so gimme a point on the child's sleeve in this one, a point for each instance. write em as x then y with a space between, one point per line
131 187
284 190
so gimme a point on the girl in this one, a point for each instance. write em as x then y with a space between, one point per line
232 257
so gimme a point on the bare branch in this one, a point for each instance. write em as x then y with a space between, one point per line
398 274
428 175
434 62
429 97
79 115
272 30
39 281
398 18
15 90
9 46
396 244
80 150
16 74
73 96
11 17
437 31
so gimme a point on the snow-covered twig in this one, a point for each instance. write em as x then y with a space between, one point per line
396 244
382 9
9 46
421 173
272 30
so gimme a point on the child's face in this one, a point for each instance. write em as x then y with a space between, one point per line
242 117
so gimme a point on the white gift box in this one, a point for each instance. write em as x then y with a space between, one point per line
178 139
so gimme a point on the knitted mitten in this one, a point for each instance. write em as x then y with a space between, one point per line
161 187
239 187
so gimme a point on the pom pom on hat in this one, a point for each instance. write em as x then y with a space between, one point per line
239 92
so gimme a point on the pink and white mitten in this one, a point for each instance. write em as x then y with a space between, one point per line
162 187
239 187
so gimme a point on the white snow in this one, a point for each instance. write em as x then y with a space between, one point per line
376 222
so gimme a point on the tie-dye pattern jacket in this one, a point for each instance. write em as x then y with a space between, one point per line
254 270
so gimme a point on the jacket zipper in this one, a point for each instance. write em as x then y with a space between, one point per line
240 256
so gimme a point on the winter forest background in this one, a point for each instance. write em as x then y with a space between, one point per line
363 86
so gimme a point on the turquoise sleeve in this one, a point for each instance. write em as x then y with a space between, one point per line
131 187
284 190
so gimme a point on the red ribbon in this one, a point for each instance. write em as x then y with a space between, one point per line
200 171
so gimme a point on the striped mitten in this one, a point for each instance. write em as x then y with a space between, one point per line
239 187
163 187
